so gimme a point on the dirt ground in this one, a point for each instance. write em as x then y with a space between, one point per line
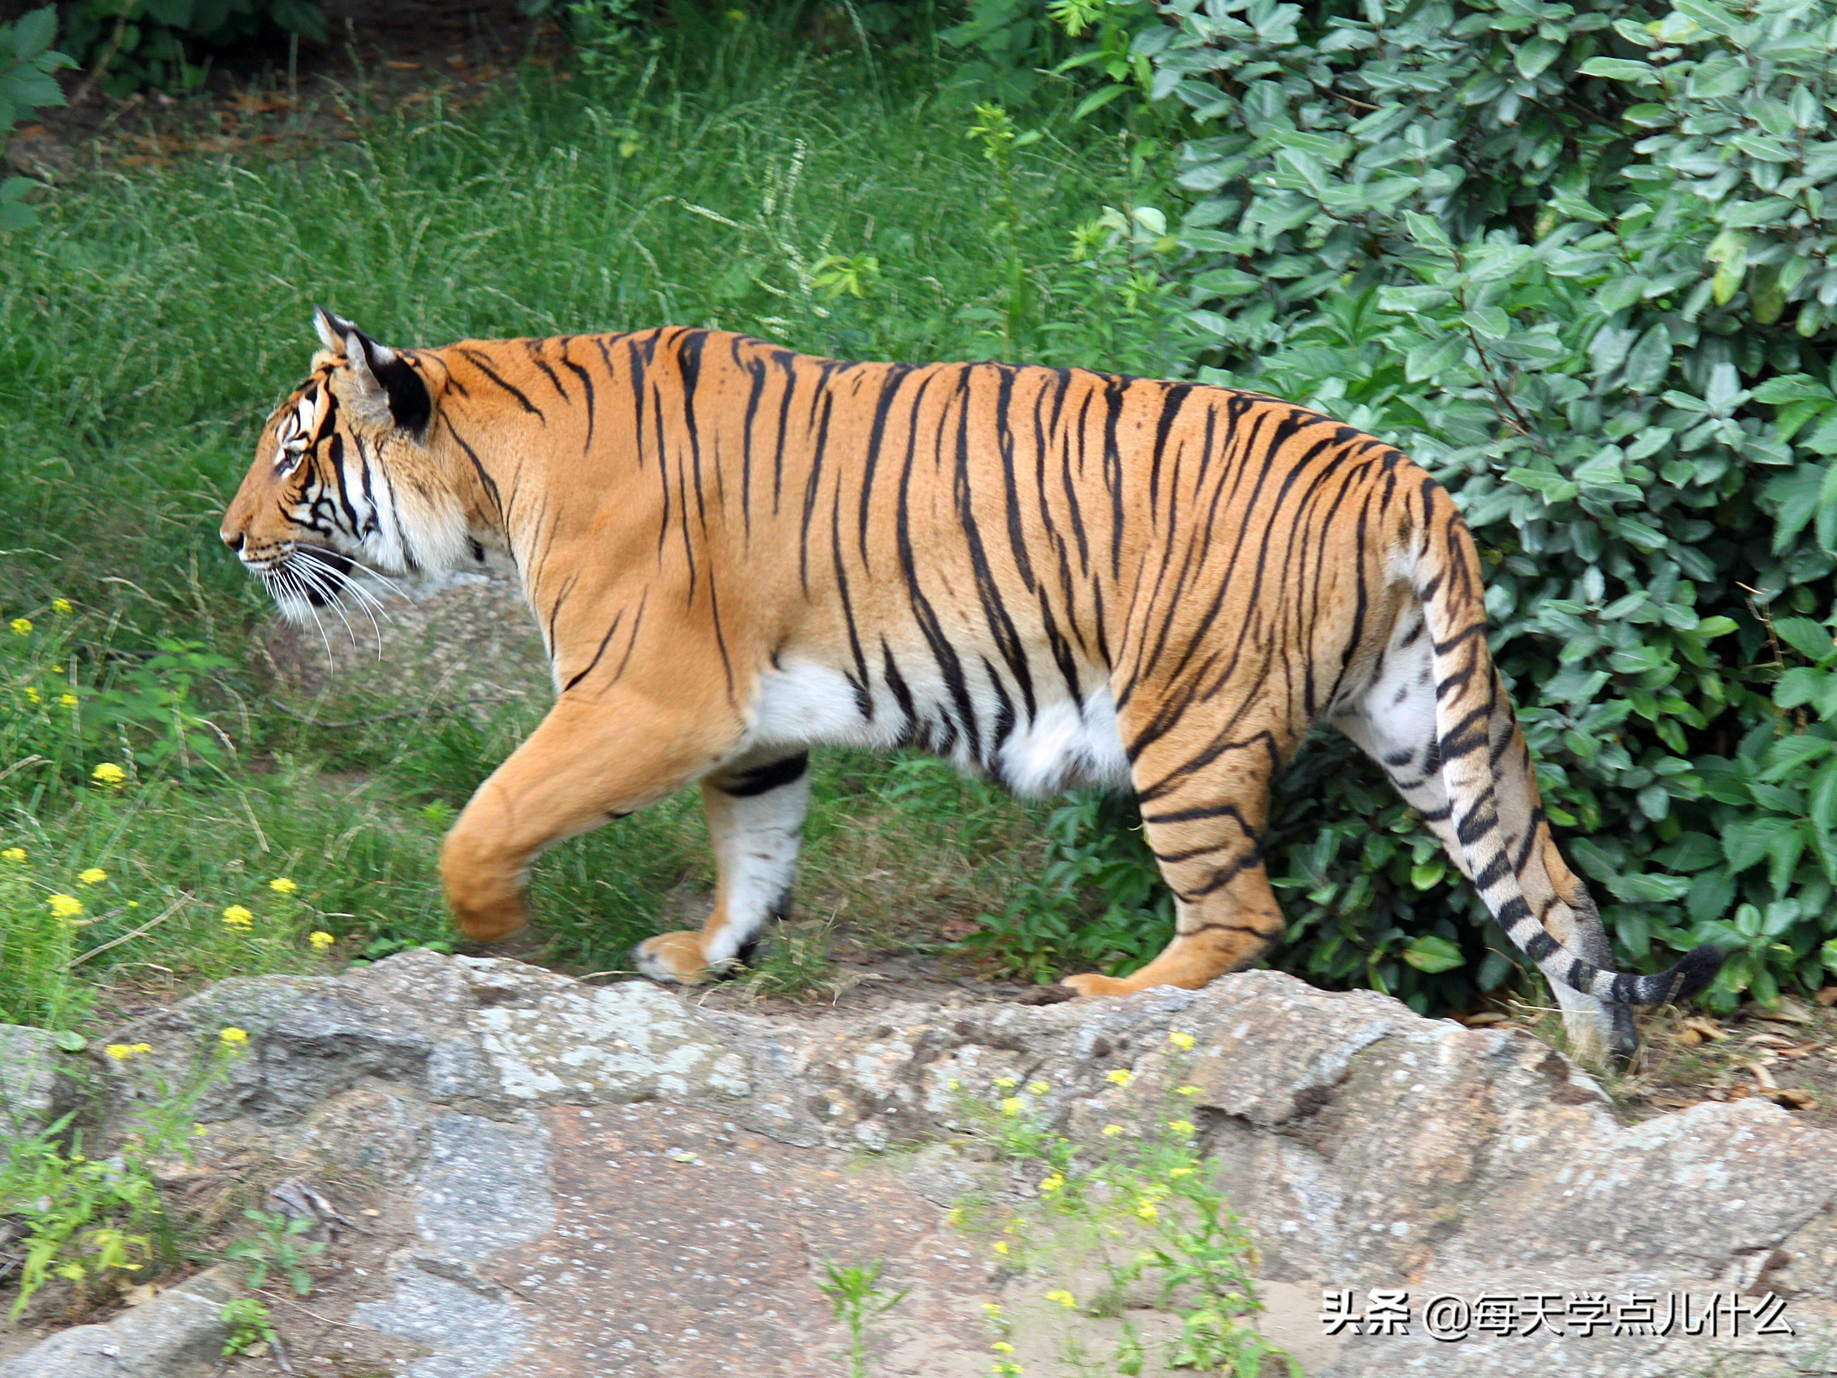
381 56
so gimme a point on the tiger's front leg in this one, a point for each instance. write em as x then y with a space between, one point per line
755 809
590 760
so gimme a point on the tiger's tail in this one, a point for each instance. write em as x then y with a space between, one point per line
1496 816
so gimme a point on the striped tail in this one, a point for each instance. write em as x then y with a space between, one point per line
1496 818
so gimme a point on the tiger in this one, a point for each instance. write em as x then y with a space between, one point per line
1053 577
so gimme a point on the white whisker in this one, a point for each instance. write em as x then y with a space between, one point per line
312 573
332 580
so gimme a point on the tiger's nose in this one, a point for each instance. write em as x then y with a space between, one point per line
233 539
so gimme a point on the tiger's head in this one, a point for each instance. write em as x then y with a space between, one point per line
345 475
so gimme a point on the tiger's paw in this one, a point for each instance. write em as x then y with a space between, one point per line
675 957
489 923
1090 983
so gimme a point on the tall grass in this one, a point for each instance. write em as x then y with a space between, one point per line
152 320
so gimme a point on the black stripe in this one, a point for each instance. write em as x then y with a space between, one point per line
478 361
766 778
604 640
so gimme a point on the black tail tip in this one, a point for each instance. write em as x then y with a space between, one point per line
1695 971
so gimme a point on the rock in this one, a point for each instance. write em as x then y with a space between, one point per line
613 1181
485 1187
177 1334
33 1089
616 1043
454 639
472 1331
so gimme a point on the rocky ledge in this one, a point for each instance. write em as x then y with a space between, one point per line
607 1180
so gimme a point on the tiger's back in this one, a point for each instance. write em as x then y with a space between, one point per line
1055 576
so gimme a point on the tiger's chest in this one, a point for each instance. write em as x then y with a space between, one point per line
967 713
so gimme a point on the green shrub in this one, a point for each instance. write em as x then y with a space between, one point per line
1573 260
128 44
27 61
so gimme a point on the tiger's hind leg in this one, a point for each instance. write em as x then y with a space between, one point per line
1393 721
755 810
1205 804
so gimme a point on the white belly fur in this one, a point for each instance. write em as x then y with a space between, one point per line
804 704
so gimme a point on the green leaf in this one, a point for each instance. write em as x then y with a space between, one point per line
1432 953
1649 360
34 32
1619 69
1096 101
1554 487
1806 637
1824 848
1691 852
1710 896
1535 55
1791 756
70 1040
1648 888
1823 799
1618 293
1798 687
1746 844
1770 211
1791 387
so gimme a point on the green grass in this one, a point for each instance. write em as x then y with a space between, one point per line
150 322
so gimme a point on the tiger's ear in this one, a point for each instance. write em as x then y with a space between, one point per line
383 390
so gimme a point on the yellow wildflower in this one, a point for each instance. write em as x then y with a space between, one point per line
991 1309
21 627
1110 1131
1001 1246
238 918
32 695
1119 1076
65 906
1182 1041
1005 1083
1063 1297
1052 1182
61 606
1186 1090
95 875
1181 1126
1037 1088
119 1051
282 886
199 1130
233 1037
1012 1106
320 939
108 773
67 700
1002 1347
1180 1172
1147 1210
14 854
